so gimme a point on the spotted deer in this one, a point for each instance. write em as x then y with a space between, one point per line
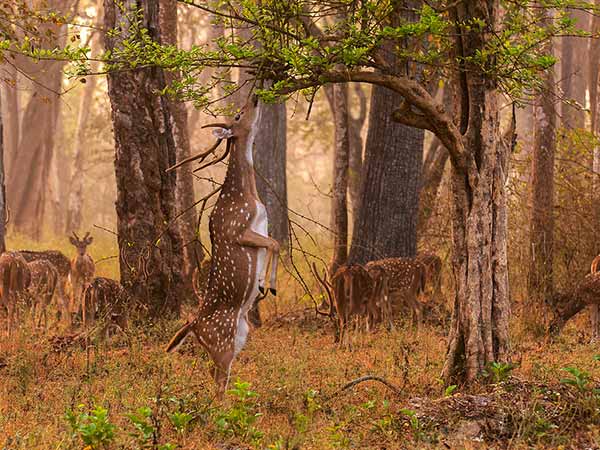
405 283
244 257
351 292
82 270
44 280
14 281
105 300
433 272
63 265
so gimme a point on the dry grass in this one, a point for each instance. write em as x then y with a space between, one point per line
296 372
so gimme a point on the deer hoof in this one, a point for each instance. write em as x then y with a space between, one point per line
273 291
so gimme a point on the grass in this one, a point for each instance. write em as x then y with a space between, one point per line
286 390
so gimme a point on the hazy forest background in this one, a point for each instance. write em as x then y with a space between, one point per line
344 182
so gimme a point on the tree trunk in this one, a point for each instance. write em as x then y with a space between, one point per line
150 245
356 148
541 250
339 206
386 222
573 76
10 112
75 206
433 172
593 80
184 193
2 188
479 330
28 180
270 165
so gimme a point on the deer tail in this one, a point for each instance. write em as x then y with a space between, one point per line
179 337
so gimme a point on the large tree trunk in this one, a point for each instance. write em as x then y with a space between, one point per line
270 165
2 188
479 330
386 222
432 174
339 206
541 251
150 245
184 193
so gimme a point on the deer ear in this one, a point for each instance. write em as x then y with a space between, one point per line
90 240
72 241
222 133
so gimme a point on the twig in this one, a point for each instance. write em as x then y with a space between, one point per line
395 389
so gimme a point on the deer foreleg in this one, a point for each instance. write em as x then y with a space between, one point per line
252 239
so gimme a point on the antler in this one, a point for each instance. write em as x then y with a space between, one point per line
202 155
326 285
217 125
216 161
75 235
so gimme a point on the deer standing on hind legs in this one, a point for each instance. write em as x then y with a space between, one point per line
82 270
244 257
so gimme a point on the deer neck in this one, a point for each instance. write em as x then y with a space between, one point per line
240 173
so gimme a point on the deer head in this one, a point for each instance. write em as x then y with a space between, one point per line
81 244
239 128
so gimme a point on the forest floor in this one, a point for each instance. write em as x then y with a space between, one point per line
289 389
287 392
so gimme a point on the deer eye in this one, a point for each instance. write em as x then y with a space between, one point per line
238 116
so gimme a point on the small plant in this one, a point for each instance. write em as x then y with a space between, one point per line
239 419
499 371
580 378
181 421
145 432
449 391
93 428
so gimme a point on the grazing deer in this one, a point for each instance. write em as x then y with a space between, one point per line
44 280
380 310
351 292
105 299
82 270
405 282
63 265
244 257
14 281
433 271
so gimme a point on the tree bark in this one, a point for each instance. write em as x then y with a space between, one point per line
270 165
339 206
541 250
432 174
386 222
479 329
150 245
184 193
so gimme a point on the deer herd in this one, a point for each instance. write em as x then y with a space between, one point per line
242 270
35 278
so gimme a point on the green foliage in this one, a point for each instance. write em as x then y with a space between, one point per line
144 430
498 371
93 428
449 391
579 378
239 419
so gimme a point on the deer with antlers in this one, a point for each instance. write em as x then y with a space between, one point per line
244 257
82 270
14 281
